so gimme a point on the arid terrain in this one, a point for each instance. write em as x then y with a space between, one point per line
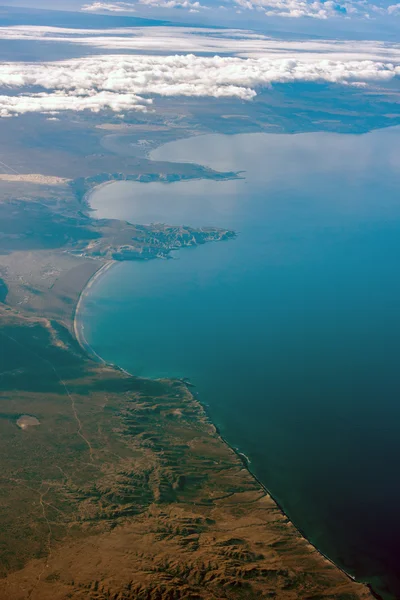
125 490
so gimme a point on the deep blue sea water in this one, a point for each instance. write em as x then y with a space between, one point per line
291 332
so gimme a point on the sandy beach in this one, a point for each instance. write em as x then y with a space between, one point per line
78 327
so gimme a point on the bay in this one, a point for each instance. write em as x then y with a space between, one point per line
290 332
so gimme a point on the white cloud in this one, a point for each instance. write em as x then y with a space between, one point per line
109 7
299 8
394 9
178 63
317 9
202 40
191 6
128 82
126 7
57 102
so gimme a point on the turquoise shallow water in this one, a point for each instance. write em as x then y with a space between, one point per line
291 332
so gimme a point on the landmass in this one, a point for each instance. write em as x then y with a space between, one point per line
125 490
113 486
82 186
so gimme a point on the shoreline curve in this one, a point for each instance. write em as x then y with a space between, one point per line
77 325
78 332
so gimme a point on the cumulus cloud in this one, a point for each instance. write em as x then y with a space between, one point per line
60 101
178 63
129 82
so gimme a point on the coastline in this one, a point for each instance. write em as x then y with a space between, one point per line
78 331
77 327
246 463
88 194
85 197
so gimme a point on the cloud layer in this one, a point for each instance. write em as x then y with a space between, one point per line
178 61
109 7
128 7
129 82
236 42
60 101
317 9
299 8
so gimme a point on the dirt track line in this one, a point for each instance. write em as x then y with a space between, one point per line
42 503
28 487
46 561
74 411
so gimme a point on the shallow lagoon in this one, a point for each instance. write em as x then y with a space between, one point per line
291 332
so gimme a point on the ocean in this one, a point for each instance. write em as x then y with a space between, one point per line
290 333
